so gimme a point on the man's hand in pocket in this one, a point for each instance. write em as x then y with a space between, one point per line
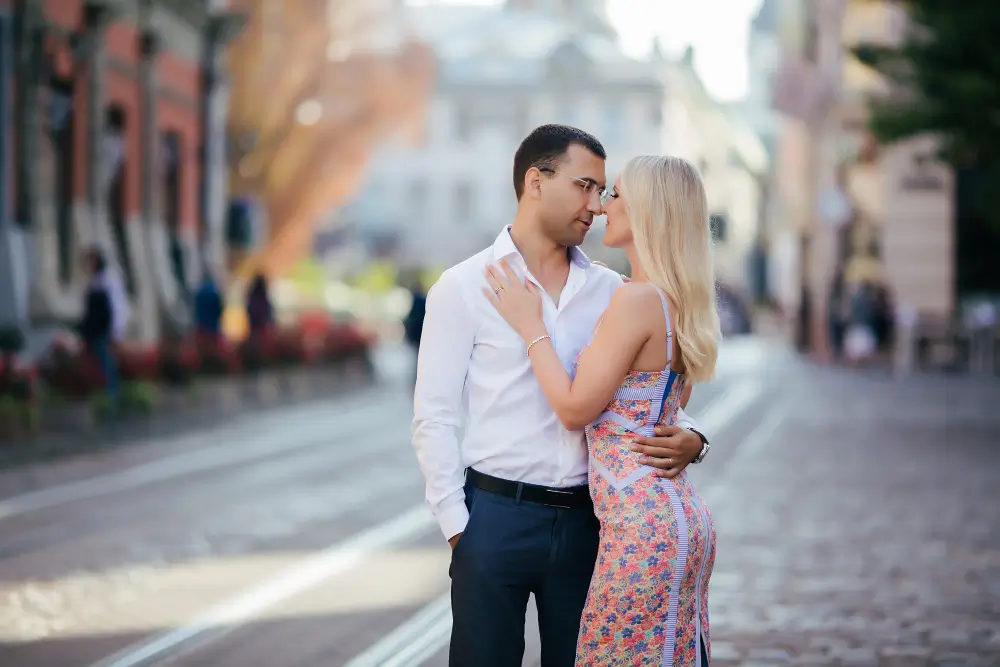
454 540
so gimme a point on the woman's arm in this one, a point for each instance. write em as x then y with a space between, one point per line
619 339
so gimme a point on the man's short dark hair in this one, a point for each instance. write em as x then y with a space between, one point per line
546 147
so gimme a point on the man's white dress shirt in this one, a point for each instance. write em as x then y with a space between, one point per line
472 371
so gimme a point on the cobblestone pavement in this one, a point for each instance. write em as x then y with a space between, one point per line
858 520
857 515
860 525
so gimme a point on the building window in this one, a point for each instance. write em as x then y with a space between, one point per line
61 140
171 179
720 227
463 123
463 202
810 49
614 123
655 115
416 197
115 161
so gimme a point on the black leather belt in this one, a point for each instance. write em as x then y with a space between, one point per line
570 497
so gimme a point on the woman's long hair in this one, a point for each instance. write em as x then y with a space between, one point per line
673 239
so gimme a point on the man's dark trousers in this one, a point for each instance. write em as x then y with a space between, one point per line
511 548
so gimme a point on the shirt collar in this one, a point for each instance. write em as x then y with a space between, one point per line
504 247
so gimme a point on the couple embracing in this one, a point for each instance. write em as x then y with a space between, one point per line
569 480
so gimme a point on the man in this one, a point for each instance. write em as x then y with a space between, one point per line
102 322
511 497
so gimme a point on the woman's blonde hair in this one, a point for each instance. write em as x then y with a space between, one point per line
673 239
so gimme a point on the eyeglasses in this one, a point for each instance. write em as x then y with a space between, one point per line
588 186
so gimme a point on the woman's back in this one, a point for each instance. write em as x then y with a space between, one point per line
645 399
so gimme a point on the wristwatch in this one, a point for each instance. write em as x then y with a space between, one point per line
704 447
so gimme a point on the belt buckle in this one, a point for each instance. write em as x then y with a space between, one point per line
560 492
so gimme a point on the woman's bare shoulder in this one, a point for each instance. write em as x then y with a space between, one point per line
634 295
638 303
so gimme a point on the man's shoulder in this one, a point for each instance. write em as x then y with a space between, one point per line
470 266
464 274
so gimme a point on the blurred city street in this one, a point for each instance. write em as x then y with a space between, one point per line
856 517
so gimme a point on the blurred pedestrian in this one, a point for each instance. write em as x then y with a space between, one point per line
99 327
260 311
860 343
511 495
838 313
884 320
208 308
413 323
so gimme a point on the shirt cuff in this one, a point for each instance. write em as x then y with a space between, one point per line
453 519
683 421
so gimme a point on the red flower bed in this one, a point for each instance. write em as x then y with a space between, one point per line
138 363
71 373
344 340
179 360
315 339
16 381
217 356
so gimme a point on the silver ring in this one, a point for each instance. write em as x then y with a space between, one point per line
498 290
670 461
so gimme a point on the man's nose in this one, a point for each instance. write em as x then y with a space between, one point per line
594 204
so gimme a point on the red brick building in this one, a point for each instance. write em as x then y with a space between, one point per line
116 138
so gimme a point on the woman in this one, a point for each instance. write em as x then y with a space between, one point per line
260 313
647 600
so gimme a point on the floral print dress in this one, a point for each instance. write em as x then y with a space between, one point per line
647 603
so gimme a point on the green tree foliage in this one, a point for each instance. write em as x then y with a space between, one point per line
945 77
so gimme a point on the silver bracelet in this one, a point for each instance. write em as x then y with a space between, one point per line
537 340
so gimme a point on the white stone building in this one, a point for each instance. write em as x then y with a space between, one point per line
733 163
763 62
501 72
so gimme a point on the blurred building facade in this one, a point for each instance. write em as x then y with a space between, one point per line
502 71
763 59
316 86
843 204
733 163
117 131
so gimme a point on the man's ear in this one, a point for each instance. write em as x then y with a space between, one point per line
533 183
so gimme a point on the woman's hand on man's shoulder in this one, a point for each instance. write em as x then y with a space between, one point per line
625 279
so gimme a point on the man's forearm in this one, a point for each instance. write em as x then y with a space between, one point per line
440 461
